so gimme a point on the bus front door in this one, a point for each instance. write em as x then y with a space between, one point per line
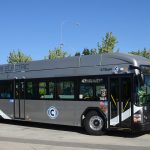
120 102
19 104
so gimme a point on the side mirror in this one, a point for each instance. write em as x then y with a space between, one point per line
141 79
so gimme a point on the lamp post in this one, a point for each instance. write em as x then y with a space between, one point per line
61 31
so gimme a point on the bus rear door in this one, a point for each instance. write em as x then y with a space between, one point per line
19 104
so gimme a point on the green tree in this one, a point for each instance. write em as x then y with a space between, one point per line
86 51
56 53
77 54
93 51
108 43
16 57
145 53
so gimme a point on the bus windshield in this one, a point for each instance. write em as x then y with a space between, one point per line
144 90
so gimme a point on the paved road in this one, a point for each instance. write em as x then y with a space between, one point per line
25 136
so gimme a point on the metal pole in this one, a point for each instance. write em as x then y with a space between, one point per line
61 31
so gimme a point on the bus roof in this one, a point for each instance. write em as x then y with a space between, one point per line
71 66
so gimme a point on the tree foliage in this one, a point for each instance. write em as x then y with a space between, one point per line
56 53
16 57
77 54
108 43
145 53
93 51
87 51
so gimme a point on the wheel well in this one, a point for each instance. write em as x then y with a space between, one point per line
83 116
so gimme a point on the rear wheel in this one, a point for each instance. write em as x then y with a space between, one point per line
94 123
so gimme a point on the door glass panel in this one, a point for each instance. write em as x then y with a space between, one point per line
114 99
17 93
126 93
126 102
19 90
22 90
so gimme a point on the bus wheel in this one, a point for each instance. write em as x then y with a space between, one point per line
94 123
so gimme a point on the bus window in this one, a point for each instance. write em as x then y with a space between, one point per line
86 90
50 93
101 92
6 90
29 90
42 89
93 89
65 90
46 90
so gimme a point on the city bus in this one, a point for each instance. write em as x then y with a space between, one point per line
99 92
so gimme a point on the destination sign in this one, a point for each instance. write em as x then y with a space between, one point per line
14 68
92 80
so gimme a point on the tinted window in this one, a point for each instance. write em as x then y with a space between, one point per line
29 90
93 89
6 89
39 89
51 89
65 90
42 89
86 90
46 90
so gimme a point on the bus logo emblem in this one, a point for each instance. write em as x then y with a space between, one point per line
52 112
115 69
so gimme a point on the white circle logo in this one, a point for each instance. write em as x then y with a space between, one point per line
52 112
115 69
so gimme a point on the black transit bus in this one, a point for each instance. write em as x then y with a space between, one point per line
97 92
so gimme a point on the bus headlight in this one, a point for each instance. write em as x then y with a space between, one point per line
137 118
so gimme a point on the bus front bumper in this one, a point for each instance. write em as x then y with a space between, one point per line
142 127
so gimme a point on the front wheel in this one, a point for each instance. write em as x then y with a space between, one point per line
94 123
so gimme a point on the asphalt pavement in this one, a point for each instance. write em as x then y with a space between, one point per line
33 136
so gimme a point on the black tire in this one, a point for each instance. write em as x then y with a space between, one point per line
94 123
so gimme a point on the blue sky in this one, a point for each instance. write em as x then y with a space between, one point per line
34 26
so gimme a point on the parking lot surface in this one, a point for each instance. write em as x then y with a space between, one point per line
32 136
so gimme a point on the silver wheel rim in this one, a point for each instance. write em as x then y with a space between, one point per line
96 123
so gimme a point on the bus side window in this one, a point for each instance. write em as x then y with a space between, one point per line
101 92
6 90
29 90
46 90
86 90
65 90
42 90
50 91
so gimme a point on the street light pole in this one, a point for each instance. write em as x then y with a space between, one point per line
61 31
